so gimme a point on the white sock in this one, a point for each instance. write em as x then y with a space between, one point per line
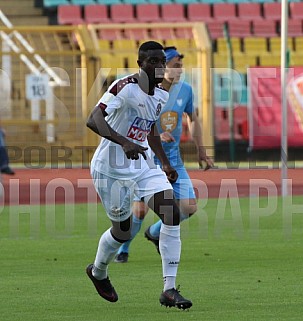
170 249
107 249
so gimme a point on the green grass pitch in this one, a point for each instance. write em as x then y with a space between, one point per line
239 262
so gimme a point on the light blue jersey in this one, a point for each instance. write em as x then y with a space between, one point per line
180 101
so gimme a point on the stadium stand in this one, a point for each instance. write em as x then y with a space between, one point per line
96 13
224 11
249 11
172 12
275 44
136 34
148 12
110 34
254 28
264 28
294 27
255 45
270 59
108 2
69 15
54 3
82 2
122 13
215 29
199 12
239 28
296 10
272 10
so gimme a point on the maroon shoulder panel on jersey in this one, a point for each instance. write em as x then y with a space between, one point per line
122 83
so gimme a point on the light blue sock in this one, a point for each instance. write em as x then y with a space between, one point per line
154 229
136 226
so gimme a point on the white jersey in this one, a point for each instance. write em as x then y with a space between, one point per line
131 113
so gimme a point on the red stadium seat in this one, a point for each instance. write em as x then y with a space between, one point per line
296 10
122 13
239 28
69 15
272 10
199 12
96 13
249 11
184 33
136 34
163 33
173 12
148 12
215 29
224 11
295 28
264 28
110 34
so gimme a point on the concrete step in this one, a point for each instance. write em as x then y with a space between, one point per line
29 21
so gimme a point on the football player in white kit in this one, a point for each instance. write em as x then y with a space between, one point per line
123 167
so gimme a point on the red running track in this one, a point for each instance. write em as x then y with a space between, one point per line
41 186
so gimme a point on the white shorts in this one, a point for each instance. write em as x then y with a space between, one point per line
117 195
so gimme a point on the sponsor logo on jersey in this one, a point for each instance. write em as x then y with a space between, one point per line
168 121
158 110
139 129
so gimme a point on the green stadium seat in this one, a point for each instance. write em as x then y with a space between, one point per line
54 3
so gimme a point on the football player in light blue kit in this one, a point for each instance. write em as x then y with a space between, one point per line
169 126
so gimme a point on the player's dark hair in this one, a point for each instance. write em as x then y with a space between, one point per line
146 46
